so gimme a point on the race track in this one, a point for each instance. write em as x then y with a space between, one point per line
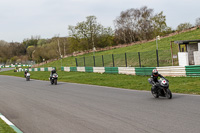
38 107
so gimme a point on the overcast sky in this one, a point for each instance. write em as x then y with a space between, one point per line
20 19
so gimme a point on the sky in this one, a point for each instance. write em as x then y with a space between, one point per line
21 19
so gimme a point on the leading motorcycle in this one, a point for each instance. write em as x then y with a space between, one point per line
28 75
54 78
162 90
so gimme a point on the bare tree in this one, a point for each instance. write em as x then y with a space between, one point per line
134 24
197 23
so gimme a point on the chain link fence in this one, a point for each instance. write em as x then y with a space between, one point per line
131 59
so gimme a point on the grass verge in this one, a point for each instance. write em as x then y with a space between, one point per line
187 85
4 128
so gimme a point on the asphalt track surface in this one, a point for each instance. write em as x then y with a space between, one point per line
6 69
38 107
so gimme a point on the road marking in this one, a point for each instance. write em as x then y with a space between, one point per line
10 124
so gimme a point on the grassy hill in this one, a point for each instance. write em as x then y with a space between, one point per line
147 54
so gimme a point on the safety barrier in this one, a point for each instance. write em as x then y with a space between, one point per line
172 71
165 71
36 69
9 66
193 71
189 71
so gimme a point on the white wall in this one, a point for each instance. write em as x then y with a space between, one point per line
183 59
197 57
198 46
191 48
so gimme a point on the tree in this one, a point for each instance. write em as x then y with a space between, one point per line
85 35
159 24
183 26
30 50
31 42
134 25
197 23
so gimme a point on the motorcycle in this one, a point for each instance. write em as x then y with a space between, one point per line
53 79
162 90
28 76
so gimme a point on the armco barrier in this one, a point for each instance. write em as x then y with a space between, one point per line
99 69
193 71
172 71
165 71
81 69
73 69
113 70
36 69
9 66
144 70
88 69
126 70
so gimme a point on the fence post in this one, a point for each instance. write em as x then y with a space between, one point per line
157 58
139 59
76 62
113 60
94 60
125 60
102 61
84 61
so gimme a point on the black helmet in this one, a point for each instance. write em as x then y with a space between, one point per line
155 72
53 70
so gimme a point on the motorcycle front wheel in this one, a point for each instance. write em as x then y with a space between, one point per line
154 94
55 81
51 81
168 94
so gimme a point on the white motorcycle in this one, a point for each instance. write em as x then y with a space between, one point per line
28 75
54 78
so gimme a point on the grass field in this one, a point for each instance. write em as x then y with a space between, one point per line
187 85
147 53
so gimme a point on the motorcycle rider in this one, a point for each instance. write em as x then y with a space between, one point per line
52 72
25 72
154 79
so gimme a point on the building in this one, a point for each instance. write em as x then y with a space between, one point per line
189 52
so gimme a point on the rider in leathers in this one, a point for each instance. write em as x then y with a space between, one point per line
52 72
154 79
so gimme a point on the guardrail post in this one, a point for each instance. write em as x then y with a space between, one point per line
102 61
94 60
84 61
76 62
125 60
157 58
113 60
139 59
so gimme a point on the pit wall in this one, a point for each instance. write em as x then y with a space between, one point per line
175 71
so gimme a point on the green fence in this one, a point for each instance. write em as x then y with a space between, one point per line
129 59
